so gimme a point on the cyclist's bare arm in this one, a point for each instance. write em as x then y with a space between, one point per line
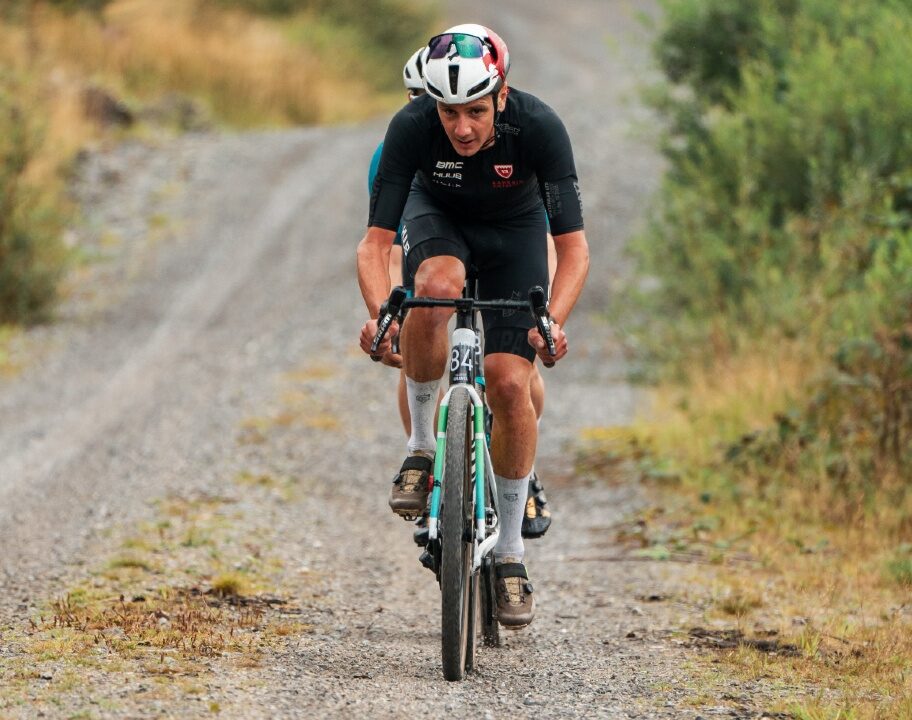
395 266
374 280
373 267
572 267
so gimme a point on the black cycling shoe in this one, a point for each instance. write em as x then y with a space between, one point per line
537 518
422 532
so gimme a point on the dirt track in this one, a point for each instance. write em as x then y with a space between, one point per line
141 389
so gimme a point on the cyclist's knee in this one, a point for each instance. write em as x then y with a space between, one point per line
442 277
507 381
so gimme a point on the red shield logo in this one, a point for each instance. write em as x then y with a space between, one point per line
505 171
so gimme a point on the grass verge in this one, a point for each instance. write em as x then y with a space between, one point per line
185 597
800 584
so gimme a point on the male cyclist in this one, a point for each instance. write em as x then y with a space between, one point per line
537 515
468 168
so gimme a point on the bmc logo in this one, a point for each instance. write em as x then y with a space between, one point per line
505 171
445 165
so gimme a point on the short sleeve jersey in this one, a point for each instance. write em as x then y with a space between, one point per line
530 164
371 175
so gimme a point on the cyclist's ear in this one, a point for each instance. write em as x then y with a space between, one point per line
502 98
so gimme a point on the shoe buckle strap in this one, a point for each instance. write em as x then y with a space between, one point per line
507 570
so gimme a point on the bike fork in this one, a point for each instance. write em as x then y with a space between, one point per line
482 544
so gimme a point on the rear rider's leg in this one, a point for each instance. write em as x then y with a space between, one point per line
537 516
537 390
397 277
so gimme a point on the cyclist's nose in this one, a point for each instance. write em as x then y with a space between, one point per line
463 128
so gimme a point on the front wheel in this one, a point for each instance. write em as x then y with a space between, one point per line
456 532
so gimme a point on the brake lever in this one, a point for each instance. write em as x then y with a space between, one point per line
542 320
388 312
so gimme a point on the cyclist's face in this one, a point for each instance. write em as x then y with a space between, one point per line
469 127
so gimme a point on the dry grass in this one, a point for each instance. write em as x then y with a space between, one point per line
301 406
192 623
785 564
8 365
245 68
158 608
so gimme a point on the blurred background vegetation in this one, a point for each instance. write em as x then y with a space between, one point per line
74 72
774 310
783 232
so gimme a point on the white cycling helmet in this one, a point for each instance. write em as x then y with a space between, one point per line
413 72
465 63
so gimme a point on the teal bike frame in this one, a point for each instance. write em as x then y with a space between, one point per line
481 460
466 375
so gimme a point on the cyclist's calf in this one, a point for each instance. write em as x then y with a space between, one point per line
515 432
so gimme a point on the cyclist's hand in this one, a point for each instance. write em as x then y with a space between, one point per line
541 347
369 332
391 359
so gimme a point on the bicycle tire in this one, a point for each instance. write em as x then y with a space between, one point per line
490 628
474 618
456 552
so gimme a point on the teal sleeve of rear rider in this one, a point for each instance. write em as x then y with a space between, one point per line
372 175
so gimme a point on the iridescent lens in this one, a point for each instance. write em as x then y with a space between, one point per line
467 46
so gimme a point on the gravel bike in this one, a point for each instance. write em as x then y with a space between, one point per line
462 527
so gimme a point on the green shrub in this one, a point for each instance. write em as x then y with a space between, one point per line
773 196
786 211
31 258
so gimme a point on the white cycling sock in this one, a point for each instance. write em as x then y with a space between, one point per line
511 496
422 402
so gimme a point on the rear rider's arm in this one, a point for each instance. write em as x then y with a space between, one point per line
373 267
572 267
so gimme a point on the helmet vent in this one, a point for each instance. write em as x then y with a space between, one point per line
434 90
454 79
477 88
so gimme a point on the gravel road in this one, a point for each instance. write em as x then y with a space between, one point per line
226 262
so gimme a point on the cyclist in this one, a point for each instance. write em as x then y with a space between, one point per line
537 514
413 78
468 168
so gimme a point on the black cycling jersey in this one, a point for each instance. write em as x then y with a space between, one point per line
530 163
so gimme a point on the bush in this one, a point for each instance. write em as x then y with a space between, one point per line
787 211
31 258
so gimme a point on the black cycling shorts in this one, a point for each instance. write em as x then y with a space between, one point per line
508 257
